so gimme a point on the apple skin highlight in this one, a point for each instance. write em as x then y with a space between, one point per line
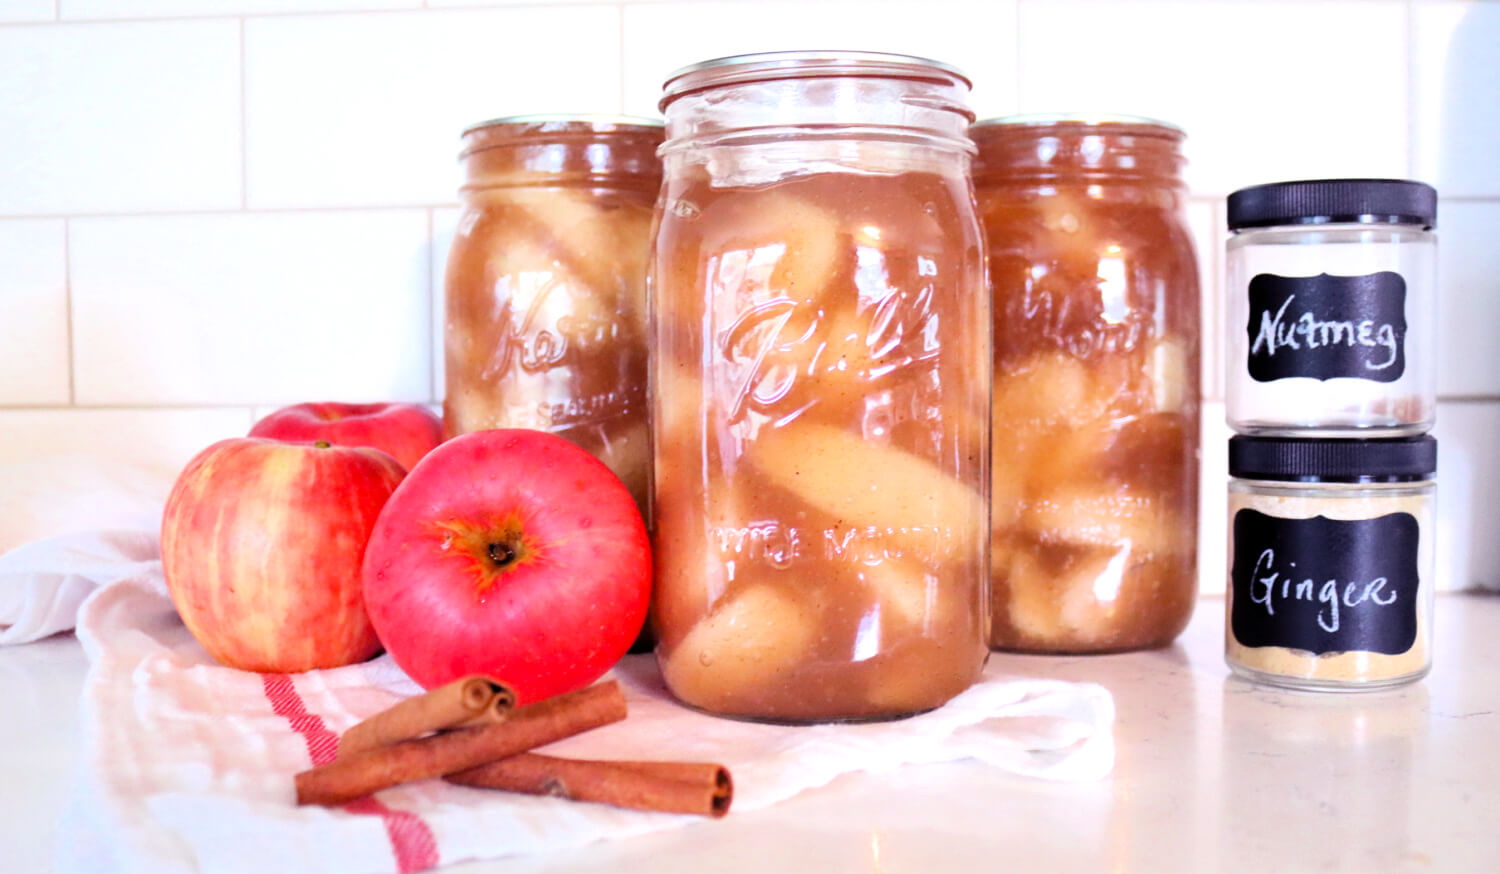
511 553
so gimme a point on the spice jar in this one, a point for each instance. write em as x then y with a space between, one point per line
546 302
1096 397
820 389
1330 561
1331 308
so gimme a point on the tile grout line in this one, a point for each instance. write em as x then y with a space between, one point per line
67 225
244 125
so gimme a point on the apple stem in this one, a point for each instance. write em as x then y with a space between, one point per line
322 444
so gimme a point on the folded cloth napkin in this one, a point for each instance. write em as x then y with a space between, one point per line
187 765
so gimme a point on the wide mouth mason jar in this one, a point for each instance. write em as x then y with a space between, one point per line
545 297
1096 397
820 389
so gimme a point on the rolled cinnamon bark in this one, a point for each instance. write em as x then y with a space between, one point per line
362 773
669 787
457 703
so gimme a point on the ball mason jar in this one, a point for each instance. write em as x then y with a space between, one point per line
1096 314
820 389
546 301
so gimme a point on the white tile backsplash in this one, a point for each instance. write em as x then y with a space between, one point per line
33 312
1203 222
162 440
1265 90
116 9
261 308
26 10
302 237
1456 106
977 36
73 470
1213 501
368 109
444 226
137 117
1468 474
1469 302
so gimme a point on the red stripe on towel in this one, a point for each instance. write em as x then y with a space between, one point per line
411 838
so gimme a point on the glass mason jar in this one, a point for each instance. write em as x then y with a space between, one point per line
546 300
1096 313
820 389
1331 308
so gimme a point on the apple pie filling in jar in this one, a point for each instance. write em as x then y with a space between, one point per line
1096 391
820 389
546 305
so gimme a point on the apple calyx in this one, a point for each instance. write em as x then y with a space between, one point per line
493 548
321 444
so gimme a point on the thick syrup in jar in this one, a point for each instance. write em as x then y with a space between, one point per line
546 304
1095 415
820 399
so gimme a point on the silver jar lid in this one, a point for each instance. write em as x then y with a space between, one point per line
804 64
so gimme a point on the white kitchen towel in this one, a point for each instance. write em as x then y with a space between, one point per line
43 584
187 766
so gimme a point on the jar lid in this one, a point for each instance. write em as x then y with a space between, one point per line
1331 201
557 121
1295 459
806 64
1105 120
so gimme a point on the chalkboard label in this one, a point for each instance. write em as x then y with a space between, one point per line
1325 585
1326 326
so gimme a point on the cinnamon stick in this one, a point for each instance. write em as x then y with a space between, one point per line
476 700
362 773
669 787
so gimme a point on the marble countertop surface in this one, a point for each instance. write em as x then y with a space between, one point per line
1213 775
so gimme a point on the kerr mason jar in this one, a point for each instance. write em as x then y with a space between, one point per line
821 387
1332 309
1096 314
546 300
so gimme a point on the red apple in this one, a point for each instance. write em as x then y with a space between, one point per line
406 431
511 553
261 545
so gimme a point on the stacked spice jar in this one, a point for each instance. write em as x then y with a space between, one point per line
1331 299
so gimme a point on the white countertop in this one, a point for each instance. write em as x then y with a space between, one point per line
1212 775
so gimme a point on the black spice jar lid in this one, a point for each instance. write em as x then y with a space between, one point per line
1334 201
1291 459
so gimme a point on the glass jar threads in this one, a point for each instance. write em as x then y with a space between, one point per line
1331 308
1331 561
820 389
546 301
1096 391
